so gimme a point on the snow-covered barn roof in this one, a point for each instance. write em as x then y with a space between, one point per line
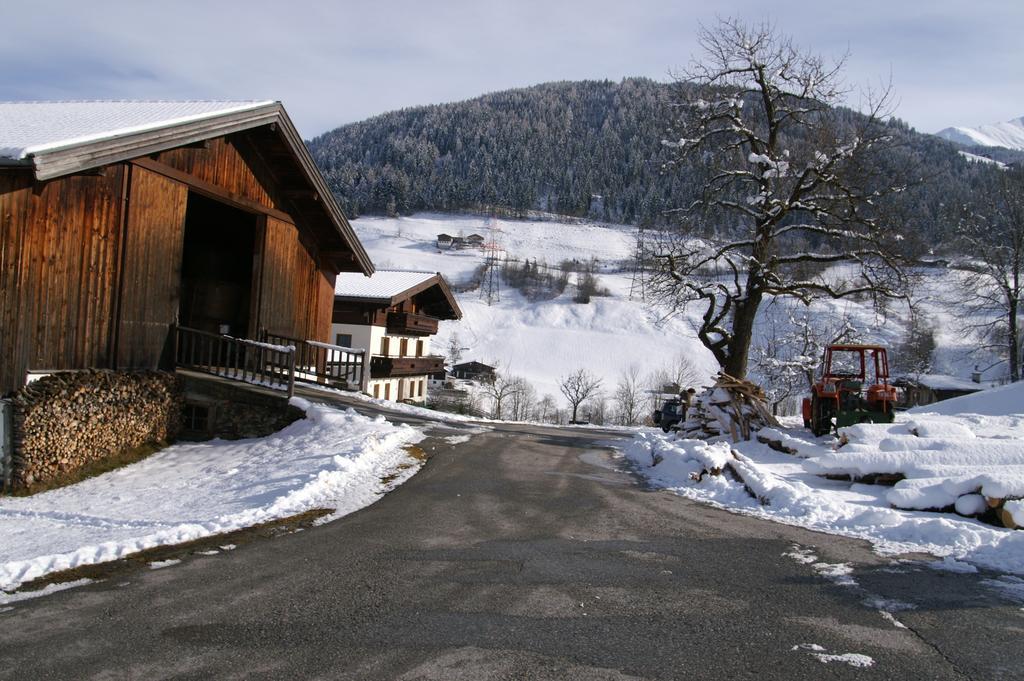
389 287
64 137
30 128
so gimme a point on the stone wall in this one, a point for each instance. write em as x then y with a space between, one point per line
236 410
66 421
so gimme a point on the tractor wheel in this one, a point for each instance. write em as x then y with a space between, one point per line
821 417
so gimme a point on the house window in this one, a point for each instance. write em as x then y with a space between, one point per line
343 339
387 391
403 348
376 391
385 346
419 348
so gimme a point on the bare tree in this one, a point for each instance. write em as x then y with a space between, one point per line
916 352
790 354
521 400
596 409
992 239
790 187
629 396
546 410
679 372
501 390
578 387
454 349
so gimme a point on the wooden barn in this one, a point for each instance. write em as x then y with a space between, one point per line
122 223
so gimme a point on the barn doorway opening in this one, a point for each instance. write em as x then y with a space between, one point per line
217 267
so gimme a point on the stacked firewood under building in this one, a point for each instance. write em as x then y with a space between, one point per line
68 420
732 408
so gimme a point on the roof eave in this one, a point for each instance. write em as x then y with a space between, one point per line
436 280
291 135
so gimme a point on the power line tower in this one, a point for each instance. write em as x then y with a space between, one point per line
490 286
639 285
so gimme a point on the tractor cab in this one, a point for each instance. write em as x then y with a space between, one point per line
853 388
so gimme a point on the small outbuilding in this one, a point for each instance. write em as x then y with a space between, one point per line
920 389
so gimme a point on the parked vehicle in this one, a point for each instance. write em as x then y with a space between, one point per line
841 398
669 414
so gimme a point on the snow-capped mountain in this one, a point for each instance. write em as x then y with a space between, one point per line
1009 134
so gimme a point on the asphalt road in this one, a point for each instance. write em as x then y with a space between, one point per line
523 553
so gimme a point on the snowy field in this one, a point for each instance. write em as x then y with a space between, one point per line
332 459
539 341
972 450
542 341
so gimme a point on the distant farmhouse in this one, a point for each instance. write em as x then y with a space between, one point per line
448 242
921 389
157 235
393 314
475 371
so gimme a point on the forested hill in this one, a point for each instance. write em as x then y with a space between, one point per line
588 148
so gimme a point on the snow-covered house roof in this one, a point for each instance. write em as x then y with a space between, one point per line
941 382
389 287
60 138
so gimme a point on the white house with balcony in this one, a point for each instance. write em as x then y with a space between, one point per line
393 315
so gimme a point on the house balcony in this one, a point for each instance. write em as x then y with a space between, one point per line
394 367
409 324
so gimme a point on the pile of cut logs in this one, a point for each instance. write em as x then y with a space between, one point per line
731 408
69 419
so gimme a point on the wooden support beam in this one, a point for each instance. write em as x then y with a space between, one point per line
211 190
301 195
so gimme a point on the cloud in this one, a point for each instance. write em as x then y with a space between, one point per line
331 63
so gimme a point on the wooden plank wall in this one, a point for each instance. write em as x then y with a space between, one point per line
221 163
151 285
296 298
59 255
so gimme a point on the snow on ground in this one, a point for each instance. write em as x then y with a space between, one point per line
542 341
949 459
331 459
1002 401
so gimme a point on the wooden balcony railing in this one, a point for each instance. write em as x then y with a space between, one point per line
325 364
393 367
267 364
409 324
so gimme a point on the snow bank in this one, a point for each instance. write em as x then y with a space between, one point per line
331 459
1002 401
788 489
941 458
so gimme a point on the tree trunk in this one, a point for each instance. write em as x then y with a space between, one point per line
575 406
742 334
1014 341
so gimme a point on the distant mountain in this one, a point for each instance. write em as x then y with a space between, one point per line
581 148
1009 135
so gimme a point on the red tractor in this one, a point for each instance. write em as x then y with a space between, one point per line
843 396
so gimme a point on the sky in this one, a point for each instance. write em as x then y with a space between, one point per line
951 62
